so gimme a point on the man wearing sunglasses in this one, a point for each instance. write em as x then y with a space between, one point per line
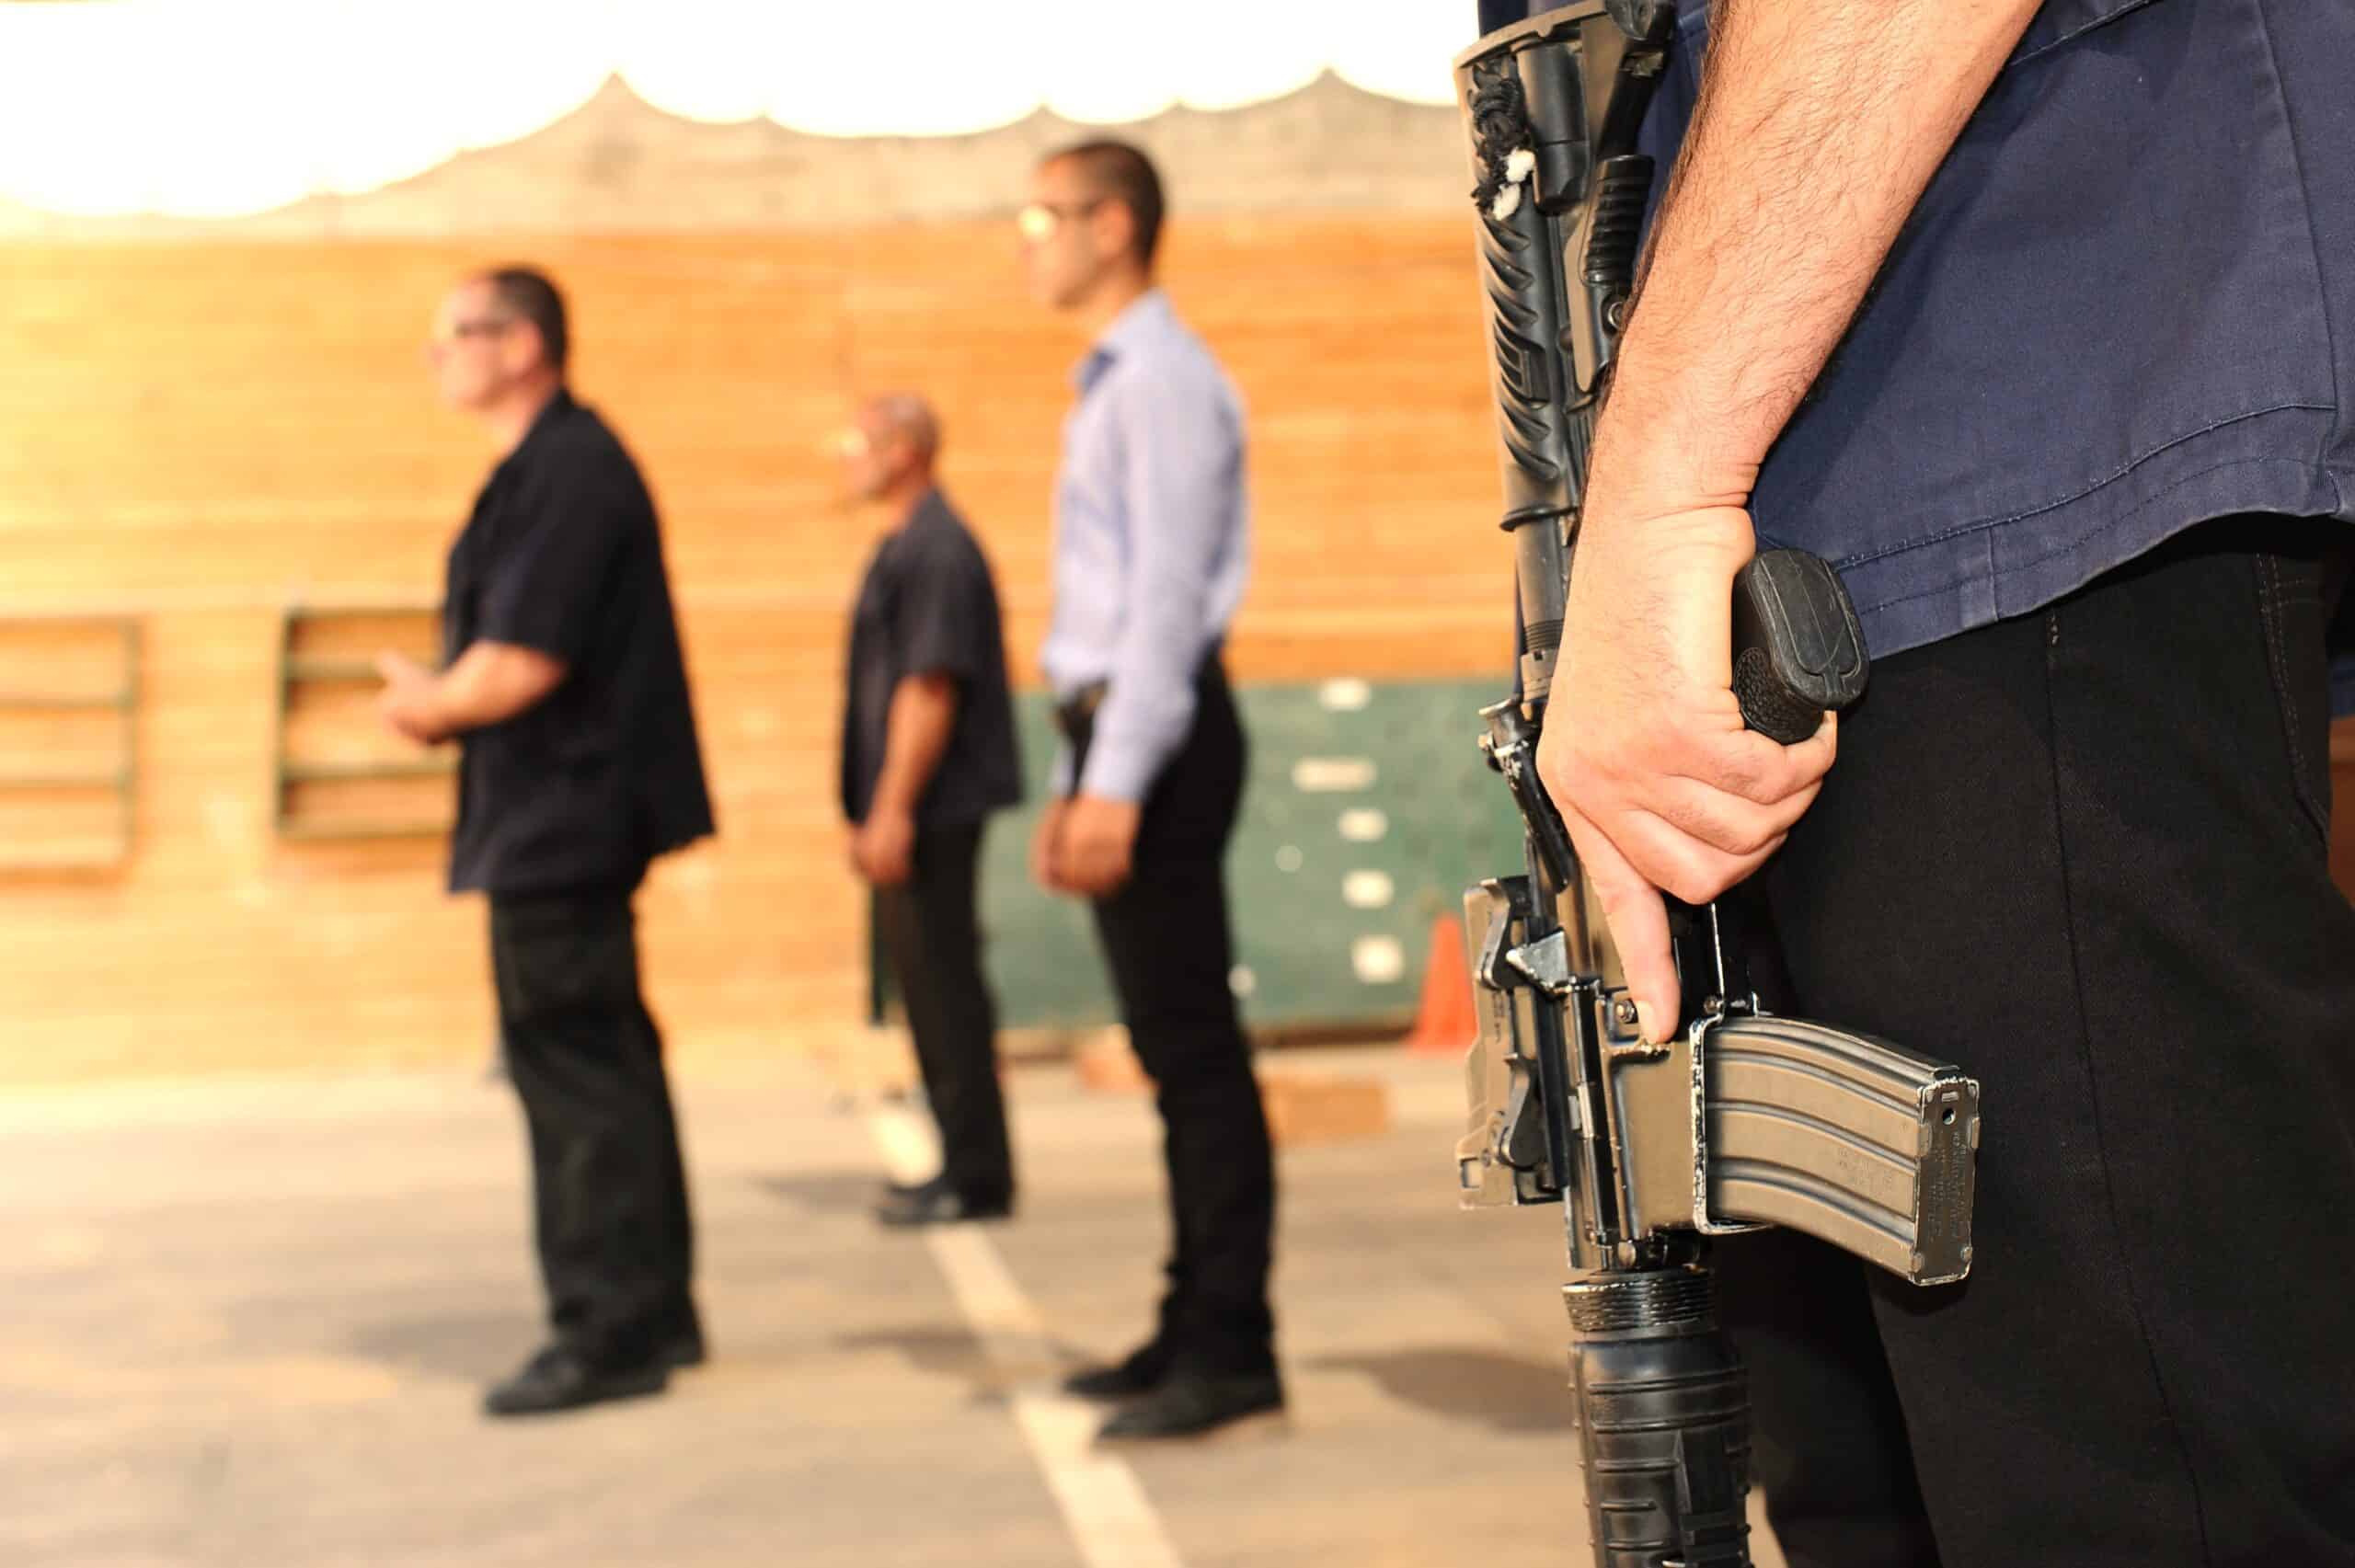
1151 556
567 694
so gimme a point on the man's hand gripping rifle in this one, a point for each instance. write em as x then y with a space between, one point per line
1741 1118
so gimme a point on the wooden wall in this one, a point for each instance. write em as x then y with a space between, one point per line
202 433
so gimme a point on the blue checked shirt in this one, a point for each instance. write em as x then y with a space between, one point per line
1152 541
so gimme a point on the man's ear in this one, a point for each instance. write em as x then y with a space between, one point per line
524 348
1116 227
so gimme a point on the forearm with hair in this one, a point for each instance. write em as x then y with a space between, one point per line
916 730
1819 124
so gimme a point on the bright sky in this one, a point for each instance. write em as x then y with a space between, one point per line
219 107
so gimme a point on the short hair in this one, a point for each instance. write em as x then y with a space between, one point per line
529 294
1122 172
911 417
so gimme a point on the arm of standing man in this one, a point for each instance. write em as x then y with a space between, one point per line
1819 124
1184 472
916 730
540 612
488 684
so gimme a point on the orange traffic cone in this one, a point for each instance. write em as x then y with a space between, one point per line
1444 1021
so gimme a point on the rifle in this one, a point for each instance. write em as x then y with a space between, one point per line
1741 1118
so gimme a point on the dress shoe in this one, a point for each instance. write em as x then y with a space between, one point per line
560 1378
1196 1404
682 1346
938 1203
1139 1374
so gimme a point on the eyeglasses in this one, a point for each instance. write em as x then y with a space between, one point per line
480 326
1041 219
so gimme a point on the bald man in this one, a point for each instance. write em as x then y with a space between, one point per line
929 753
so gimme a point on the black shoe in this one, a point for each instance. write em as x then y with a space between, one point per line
558 1379
1196 1404
938 1203
1144 1369
683 1347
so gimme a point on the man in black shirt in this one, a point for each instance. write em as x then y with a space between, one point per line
929 753
566 690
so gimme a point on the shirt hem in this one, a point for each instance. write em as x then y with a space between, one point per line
1981 575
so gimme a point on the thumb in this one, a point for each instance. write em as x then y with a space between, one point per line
1638 917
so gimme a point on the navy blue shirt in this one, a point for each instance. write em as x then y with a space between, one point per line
583 788
928 606
2125 304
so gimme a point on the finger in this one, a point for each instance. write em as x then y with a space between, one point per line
1099 869
1071 865
1638 917
1747 764
1675 862
1731 823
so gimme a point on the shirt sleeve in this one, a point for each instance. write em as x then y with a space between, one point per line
1183 485
547 588
940 628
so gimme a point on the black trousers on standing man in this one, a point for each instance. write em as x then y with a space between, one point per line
2083 853
610 1191
1166 940
933 940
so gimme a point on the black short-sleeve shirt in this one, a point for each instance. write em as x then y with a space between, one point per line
563 554
929 607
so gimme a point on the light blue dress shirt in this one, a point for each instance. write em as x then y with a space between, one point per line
1152 541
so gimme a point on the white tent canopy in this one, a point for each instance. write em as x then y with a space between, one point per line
222 107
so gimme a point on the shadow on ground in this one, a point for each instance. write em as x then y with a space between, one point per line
1505 1393
471 1347
848 1191
951 1351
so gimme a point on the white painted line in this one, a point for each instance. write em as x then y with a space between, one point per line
1368 889
1111 1519
1363 824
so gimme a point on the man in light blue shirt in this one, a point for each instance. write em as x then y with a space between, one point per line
1151 554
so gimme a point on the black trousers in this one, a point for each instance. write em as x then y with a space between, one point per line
2084 854
609 1189
1166 940
934 945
